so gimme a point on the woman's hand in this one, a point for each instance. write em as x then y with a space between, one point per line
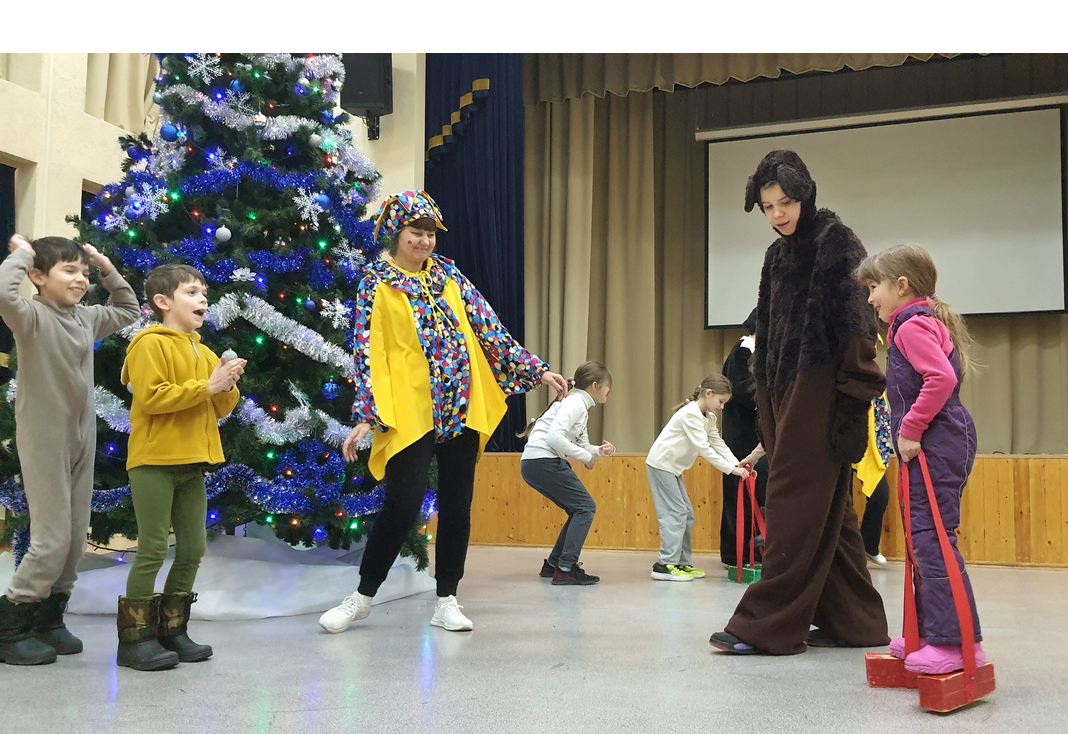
907 449
553 380
607 449
356 435
590 464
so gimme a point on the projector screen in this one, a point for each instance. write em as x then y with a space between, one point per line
982 193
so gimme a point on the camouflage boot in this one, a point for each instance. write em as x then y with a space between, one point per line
138 647
173 619
48 625
18 646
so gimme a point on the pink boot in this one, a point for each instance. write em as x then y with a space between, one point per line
897 646
939 659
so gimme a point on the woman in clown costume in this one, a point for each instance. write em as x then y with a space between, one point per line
434 365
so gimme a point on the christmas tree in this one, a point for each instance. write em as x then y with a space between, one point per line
253 179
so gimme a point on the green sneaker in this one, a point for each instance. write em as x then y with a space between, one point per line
694 572
667 572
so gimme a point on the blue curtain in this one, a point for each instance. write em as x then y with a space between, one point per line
476 177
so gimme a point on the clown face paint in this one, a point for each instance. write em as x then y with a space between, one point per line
414 246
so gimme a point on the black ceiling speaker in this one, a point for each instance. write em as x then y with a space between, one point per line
368 88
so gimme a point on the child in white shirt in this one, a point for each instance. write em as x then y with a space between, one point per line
558 434
691 432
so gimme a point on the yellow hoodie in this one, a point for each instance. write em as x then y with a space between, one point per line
173 420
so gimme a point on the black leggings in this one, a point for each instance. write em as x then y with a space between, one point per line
406 484
871 527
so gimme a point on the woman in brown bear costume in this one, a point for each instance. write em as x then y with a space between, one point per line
815 374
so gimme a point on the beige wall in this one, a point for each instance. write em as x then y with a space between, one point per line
399 151
58 149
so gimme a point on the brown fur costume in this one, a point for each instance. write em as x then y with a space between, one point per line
815 377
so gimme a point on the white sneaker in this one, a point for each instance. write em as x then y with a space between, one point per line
878 559
353 607
447 614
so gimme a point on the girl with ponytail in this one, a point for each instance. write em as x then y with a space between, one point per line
557 435
926 360
690 432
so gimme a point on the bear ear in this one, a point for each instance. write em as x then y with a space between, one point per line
794 184
750 194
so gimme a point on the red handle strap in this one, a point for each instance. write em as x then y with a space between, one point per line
910 627
755 518
956 586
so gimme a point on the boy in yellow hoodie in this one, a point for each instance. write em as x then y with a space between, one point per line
180 390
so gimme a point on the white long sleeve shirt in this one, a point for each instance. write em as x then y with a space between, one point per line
561 431
687 435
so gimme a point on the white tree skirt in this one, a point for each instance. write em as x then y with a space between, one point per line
244 578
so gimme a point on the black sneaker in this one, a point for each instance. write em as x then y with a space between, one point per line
729 643
547 569
575 577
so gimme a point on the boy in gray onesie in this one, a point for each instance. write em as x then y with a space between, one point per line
55 414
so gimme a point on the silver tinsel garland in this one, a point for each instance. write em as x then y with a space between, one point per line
297 425
277 128
266 318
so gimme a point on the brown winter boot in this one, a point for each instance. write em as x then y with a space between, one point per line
48 625
18 646
173 619
138 647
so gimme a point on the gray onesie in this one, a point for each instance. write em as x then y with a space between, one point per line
55 413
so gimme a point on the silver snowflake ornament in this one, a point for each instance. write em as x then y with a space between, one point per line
345 252
117 220
307 207
242 275
337 312
149 200
205 66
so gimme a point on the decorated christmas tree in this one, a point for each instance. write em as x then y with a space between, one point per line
253 180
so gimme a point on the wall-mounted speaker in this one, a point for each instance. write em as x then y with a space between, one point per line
368 88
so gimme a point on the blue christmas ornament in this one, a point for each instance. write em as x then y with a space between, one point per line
169 132
323 201
326 117
310 304
331 390
237 87
134 152
157 98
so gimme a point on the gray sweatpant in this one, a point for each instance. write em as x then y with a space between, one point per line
555 479
675 514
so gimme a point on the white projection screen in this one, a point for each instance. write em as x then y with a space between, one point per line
982 193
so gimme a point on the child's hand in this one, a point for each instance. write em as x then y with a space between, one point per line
740 471
356 435
907 449
590 464
97 259
607 449
18 242
226 375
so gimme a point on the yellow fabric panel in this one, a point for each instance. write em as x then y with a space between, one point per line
486 406
400 377
871 468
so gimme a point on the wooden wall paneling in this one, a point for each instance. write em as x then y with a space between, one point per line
1012 511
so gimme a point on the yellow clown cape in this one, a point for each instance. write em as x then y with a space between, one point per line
400 376
871 468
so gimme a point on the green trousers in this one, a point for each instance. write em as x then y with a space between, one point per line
166 497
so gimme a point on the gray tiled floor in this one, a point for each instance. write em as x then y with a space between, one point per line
628 655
